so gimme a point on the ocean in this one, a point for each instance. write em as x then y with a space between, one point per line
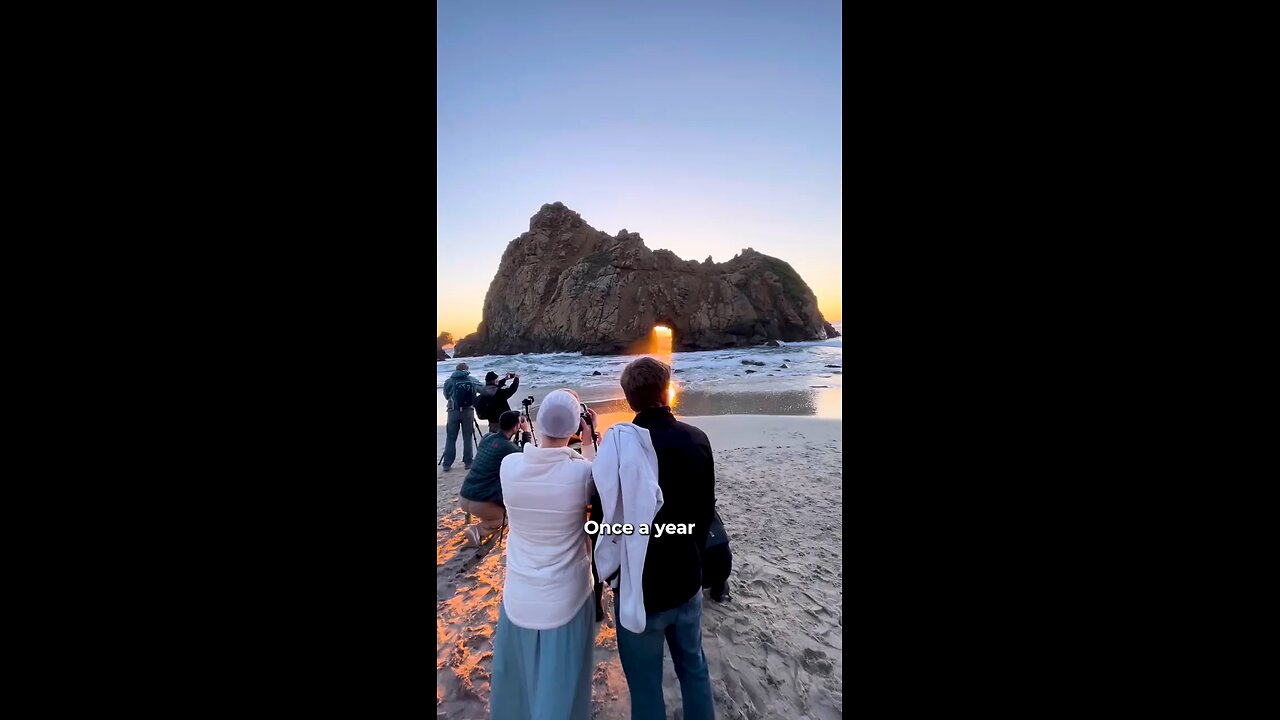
712 382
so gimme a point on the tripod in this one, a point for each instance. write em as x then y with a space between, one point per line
526 403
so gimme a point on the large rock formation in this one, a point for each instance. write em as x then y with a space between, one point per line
565 286
445 338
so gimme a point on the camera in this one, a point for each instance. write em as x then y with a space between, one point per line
595 436
526 402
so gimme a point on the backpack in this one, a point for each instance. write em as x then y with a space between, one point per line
484 404
464 394
716 536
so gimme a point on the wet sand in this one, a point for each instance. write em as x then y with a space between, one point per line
821 398
774 649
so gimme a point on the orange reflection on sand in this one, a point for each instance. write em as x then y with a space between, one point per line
469 590
607 637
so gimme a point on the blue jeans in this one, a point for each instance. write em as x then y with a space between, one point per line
641 655
464 420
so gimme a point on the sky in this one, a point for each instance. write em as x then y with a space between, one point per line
707 127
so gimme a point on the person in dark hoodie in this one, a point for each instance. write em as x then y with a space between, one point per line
492 402
675 563
460 392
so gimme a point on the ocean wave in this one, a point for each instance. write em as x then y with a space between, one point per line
704 370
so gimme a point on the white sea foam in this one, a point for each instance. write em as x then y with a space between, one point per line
708 370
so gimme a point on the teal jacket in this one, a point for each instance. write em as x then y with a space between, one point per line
453 380
483 483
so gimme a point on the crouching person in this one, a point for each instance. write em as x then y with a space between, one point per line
481 493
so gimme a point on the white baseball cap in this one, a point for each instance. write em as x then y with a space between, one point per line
558 414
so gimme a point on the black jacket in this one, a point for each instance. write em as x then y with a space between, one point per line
687 476
499 404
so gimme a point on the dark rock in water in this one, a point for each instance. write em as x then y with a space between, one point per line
753 362
562 265
593 372
772 343
750 371
786 366
680 370
819 386
445 338
441 354
837 372
835 366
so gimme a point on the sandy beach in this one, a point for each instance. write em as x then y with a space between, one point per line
774 648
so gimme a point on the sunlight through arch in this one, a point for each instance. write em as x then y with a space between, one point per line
661 346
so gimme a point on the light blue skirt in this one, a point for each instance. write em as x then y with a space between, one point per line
543 674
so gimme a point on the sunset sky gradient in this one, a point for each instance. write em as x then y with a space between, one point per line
706 127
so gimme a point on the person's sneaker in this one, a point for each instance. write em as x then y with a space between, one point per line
473 535
447 468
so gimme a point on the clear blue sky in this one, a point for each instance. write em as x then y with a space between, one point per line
706 127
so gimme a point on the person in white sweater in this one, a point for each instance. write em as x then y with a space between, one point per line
542 650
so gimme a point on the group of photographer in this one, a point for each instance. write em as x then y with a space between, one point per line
481 492
654 470
466 398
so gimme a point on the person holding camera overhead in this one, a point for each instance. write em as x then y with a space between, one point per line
492 402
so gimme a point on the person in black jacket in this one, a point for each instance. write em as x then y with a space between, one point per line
673 565
493 398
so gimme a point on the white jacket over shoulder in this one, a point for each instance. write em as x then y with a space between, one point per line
626 476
